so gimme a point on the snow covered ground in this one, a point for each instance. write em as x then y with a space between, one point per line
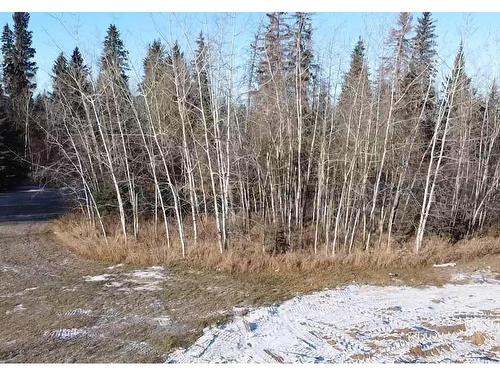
459 322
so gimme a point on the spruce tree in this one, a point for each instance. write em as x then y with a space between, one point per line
155 64
420 99
399 42
424 48
457 84
60 77
12 167
114 59
79 72
356 81
301 54
8 63
356 94
25 53
78 83
19 71
180 68
201 78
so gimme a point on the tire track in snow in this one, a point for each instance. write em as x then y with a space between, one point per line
362 323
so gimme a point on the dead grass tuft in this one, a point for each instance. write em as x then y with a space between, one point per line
477 338
418 352
454 328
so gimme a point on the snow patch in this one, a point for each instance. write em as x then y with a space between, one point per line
103 277
115 266
65 333
359 324
477 277
149 287
6 268
139 347
149 279
150 273
113 284
163 321
444 265
78 312
16 308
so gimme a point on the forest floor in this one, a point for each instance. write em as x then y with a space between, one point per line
56 306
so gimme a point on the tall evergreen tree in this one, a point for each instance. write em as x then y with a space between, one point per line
79 72
8 63
302 55
155 64
12 166
114 59
19 71
25 53
201 78
356 81
60 77
420 100
180 67
423 61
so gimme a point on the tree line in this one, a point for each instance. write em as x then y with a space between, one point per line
380 158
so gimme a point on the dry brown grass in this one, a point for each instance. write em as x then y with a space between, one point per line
454 328
246 252
477 338
302 268
418 352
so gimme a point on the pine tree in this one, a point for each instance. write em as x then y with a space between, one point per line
12 168
25 53
356 81
201 78
60 77
79 72
8 63
302 55
155 64
420 99
114 60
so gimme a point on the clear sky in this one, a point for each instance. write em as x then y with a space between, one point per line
335 32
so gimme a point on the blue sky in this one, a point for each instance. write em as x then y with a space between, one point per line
335 32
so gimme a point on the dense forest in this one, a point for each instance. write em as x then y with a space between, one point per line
309 162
